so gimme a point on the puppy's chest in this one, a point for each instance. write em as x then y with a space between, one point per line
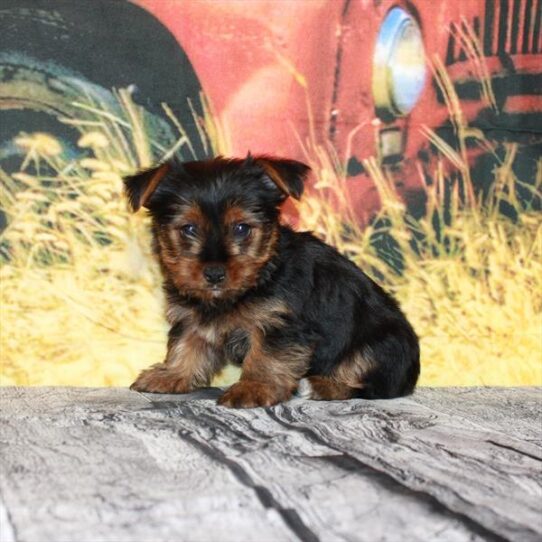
234 331
231 338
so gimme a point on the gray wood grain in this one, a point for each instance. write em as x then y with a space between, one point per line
114 465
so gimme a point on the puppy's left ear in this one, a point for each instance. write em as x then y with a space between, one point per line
288 176
141 186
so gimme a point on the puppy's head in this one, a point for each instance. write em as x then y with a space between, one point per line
215 222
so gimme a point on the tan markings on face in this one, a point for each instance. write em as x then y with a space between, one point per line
189 215
179 254
234 215
244 270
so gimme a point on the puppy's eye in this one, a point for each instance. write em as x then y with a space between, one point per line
189 230
241 231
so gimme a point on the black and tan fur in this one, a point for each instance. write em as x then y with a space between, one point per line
242 288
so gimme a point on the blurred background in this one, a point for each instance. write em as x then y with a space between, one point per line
421 121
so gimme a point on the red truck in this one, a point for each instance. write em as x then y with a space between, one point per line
352 75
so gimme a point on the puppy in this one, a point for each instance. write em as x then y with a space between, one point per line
242 288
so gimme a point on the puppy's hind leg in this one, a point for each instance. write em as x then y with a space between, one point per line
325 388
385 369
347 381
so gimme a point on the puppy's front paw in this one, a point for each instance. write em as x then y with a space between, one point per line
250 394
161 379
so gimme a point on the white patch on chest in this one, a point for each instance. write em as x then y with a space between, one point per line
209 334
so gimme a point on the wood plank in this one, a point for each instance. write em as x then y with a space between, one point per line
514 411
77 471
6 528
110 464
493 480
330 491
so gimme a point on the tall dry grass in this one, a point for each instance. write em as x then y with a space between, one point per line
80 293
468 276
471 286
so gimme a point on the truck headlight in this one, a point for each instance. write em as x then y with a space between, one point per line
399 68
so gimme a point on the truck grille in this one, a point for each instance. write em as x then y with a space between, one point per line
508 27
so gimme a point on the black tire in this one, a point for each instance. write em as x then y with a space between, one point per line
51 50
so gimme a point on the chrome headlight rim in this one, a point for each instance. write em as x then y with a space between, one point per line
390 101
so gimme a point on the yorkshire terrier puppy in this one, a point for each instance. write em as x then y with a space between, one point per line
242 288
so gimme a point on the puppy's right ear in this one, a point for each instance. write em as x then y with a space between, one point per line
141 186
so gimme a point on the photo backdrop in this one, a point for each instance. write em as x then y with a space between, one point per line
421 122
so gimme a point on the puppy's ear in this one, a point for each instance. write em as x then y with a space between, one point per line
288 176
140 187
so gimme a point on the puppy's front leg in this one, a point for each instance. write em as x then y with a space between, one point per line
270 375
190 363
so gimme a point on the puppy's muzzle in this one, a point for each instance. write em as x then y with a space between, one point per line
214 274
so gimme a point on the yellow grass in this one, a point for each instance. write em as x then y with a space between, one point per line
80 294
477 305
473 288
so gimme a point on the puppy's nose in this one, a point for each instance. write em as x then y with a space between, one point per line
214 274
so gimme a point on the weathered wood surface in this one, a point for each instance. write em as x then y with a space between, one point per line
81 464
